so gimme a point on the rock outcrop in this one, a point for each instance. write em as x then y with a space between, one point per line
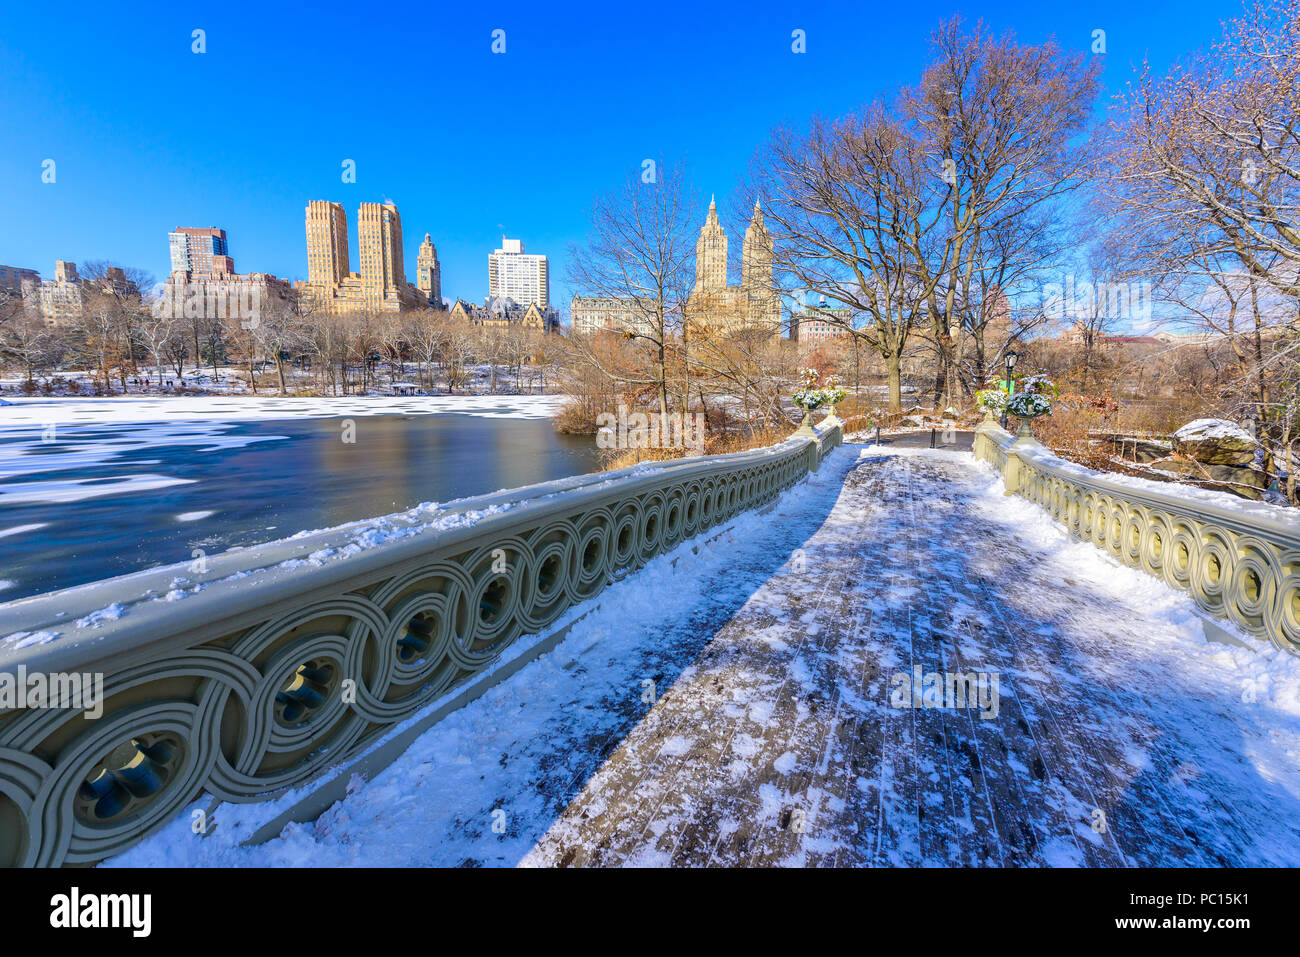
1136 447
1214 451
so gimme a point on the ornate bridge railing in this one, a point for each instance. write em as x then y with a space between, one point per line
270 665
1238 560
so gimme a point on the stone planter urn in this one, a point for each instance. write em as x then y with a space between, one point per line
1027 406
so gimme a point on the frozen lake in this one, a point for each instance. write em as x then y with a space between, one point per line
91 490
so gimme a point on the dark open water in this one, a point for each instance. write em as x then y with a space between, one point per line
241 484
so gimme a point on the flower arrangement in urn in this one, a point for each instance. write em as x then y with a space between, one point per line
1032 399
992 401
812 397
835 394
809 398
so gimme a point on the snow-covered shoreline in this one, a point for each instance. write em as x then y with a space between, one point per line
24 412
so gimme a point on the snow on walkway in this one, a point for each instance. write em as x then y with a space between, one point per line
735 703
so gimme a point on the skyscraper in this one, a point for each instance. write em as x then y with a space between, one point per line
514 274
755 304
428 274
379 236
200 251
762 302
327 243
203 282
380 284
711 253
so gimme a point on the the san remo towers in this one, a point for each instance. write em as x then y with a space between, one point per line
755 304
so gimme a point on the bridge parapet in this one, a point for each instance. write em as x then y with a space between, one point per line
1237 559
278 663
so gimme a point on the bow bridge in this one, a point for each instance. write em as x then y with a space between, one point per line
738 659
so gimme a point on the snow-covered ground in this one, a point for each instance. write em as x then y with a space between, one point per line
233 380
731 704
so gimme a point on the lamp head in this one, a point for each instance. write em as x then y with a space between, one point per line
1011 359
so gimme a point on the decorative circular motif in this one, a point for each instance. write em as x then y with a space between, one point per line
1155 543
1183 555
250 714
1252 591
121 778
1254 582
1283 617
1132 531
1214 569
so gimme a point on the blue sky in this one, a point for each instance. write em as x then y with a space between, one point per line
147 135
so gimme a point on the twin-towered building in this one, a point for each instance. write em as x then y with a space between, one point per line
202 281
380 283
754 305
713 306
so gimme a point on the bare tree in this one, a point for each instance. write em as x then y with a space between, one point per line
282 330
1207 174
156 329
842 203
1209 154
26 340
639 253
1000 123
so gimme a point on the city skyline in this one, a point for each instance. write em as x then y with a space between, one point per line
126 172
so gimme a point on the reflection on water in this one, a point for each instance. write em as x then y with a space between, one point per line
109 499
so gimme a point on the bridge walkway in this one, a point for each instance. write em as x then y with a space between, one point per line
1119 737
744 703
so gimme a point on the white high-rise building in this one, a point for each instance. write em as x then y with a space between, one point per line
513 274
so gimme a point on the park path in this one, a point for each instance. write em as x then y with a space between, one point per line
1120 738
734 703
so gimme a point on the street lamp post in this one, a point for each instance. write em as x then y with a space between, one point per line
1011 364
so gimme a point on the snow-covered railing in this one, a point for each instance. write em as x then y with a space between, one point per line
1237 558
255 671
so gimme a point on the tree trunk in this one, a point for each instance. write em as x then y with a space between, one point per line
894 366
